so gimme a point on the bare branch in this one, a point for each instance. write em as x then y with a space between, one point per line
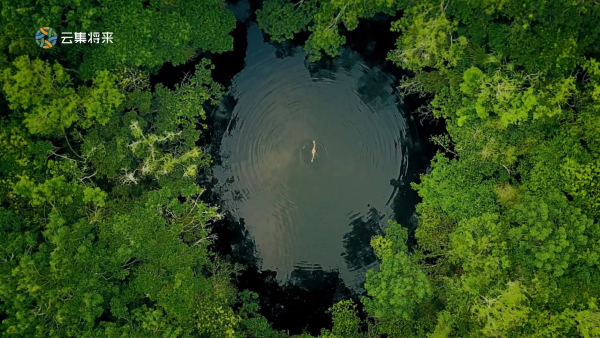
209 238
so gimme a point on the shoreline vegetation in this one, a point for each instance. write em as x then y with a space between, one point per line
104 234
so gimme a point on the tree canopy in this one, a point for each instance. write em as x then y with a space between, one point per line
103 232
507 241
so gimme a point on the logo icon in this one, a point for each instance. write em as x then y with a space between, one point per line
46 37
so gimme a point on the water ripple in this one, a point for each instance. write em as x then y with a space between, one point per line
299 211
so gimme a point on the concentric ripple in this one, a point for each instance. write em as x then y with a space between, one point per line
297 210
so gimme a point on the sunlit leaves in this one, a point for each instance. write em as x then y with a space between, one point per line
481 250
521 187
458 188
503 312
50 102
583 182
400 285
345 321
427 40
550 236
94 196
512 97
101 100
54 191
43 92
588 320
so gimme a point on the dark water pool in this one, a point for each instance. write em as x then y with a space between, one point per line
301 210
302 228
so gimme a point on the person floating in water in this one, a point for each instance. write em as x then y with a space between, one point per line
314 151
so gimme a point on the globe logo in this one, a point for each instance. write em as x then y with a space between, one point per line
46 37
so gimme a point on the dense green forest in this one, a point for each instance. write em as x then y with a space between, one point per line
103 233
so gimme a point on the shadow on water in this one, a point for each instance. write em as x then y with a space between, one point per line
302 302
298 305
298 210
358 253
299 302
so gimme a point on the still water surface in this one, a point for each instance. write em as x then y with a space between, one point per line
302 214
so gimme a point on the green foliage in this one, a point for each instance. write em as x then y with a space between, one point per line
253 324
426 39
85 255
144 34
345 320
101 100
157 135
122 258
50 103
508 236
512 220
43 93
155 162
185 27
503 313
283 18
400 285
582 182
508 228
513 97
19 152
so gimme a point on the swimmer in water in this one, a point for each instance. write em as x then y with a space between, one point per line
314 151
